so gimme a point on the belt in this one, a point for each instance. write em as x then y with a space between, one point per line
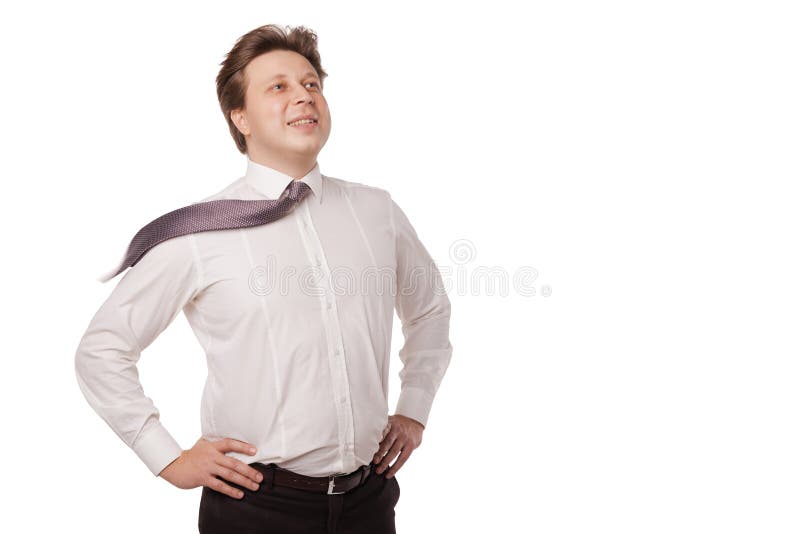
332 485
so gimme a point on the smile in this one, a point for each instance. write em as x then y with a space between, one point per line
303 122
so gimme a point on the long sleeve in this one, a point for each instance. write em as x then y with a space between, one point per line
424 311
144 302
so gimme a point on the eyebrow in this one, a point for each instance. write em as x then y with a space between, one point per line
306 75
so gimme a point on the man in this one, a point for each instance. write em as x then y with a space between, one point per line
295 428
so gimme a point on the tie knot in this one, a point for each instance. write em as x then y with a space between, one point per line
296 190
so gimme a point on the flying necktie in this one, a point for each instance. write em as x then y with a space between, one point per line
212 215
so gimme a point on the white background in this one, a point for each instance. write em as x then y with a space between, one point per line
641 156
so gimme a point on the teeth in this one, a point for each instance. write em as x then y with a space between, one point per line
303 121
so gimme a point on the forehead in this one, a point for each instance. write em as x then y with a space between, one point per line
276 62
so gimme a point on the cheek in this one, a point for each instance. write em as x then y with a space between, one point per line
269 114
277 109
327 114
276 117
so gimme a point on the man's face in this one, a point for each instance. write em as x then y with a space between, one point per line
282 87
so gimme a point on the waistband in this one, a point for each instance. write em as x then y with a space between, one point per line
332 485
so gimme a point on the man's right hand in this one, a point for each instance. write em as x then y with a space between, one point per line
198 465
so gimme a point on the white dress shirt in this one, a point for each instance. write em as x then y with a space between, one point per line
295 318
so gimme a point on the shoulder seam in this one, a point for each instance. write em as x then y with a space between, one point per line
351 184
196 262
391 216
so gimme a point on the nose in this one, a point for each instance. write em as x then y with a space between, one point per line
304 94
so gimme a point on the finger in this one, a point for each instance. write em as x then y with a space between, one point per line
250 472
379 453
230 444
254 474
385 445
218 485
399 463
232 463
393 452
386 429
234 476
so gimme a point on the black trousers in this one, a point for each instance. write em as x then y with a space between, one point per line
367 509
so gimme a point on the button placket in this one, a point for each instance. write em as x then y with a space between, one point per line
337 360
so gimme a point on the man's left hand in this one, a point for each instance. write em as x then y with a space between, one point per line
403 435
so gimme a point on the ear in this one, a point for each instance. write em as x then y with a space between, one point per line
240 121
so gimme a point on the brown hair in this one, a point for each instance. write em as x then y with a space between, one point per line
231 80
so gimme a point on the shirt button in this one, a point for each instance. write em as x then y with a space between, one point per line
318 262
330 305
337 352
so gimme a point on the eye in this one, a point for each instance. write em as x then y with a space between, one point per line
315 84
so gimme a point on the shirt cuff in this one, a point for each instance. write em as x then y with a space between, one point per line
415 403
157 448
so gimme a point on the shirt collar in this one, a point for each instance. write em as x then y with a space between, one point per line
271 182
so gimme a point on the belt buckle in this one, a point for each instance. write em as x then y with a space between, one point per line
331 483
